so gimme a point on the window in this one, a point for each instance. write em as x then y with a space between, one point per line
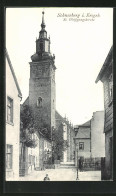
46 46
65 132
9 110
81 145
41 46
69 137
110 88
39 102
45 34
9 150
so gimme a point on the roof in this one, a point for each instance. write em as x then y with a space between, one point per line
13 73
40 133
26 102
59 117
86 124
105 65
83 133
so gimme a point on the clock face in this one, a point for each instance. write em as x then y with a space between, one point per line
39 72
36 72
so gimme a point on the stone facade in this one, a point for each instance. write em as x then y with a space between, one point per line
13 98
106 77
42 93
42 97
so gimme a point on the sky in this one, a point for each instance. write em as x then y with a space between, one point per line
80 39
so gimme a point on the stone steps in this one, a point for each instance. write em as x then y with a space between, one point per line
61 164
67 165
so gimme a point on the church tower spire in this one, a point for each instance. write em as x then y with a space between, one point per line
43 32
43 23
42 45
42 96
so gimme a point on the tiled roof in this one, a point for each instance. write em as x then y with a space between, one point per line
13 73
105 65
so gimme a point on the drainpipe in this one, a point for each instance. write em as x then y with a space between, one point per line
90 139
76 154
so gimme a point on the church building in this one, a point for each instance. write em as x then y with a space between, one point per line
42 83
42 99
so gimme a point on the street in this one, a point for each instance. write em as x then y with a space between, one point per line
62 175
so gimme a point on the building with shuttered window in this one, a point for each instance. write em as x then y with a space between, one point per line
106 77
13 98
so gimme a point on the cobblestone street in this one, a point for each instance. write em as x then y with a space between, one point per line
62 175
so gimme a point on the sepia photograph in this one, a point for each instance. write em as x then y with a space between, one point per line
59 94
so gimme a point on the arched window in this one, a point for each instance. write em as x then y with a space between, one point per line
39 102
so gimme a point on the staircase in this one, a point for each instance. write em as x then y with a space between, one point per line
67 165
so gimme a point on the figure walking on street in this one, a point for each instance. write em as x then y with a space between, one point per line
46 178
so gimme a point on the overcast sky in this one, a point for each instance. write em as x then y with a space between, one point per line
80 49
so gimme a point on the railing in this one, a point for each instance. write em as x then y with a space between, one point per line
90 164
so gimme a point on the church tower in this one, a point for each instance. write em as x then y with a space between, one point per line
42 98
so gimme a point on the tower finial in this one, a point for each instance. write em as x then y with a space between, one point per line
43 22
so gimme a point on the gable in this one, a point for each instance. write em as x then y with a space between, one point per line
106 65
13 74
86 123
59 119
26 102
